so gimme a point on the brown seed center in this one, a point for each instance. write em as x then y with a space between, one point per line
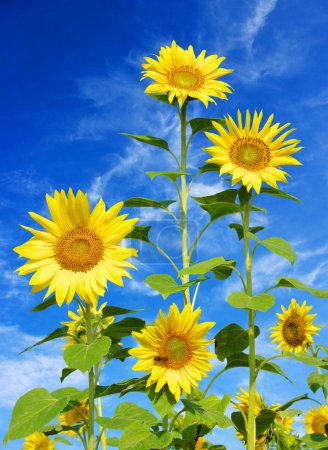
250 153
293 330
174 353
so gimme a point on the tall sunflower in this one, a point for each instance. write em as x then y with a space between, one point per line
294 329
76 333
38 441
179 73
174 350
316 419
74 416
79 249
250 154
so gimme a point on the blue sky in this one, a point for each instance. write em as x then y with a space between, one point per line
70 82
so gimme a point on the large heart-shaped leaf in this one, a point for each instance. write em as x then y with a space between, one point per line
84 356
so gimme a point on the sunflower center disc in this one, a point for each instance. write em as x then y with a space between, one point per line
318 424
250 153
177 351
79 250
293 331
185 77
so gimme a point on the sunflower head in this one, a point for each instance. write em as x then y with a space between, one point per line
316 419
179 73
76 333
251 154
78 251
174 350
294 329
76 415
38 441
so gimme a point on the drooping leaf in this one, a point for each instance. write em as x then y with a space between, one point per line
223 272
123 387
65 373
56 334
307 359
257 209
240 230
232 339
203 124
278 246
32 411
225 196
209 167
264 420
44 305
316 380
117 311
165 284
141 202
150 140
279 193
242 360
118 330
292 283
220 209
260 302
290 402
140 233
170 175
84 356
205 266
127 414
315 441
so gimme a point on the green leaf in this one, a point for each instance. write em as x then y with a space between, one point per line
264 420
223 272
205 266
118 330
44 305
57 333
307 359
225 196
242 360
162 401
316 441
257 209
127 414
316 380
239 424
278 193
112 442
139 233
203 124
165 284
278 246
62 440
207 411
292 401
32 411
117 311
123 387
150 140
84 356
240 230
220 209
138 437
322 347
118 352
232 339
170 175
209 167
292 283
260 302
65 373
136 202
244 195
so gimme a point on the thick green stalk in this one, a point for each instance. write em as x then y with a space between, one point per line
251 429
184 197
92 387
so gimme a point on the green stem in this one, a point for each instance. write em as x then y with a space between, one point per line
166 256
92 387
175 418
212 381
184 197
266 361
102 436
251 429
324 387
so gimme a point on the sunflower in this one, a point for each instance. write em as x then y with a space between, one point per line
250 154
79 249
243 399
76 333
173 350
294 329
284 422
179 73
38 441
78 414
316 420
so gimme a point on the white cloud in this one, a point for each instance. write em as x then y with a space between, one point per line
256 21
141 287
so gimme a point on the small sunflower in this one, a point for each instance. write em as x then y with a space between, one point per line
316 419
174 350
250 154
285 422
243 399
76 333
74 416
179 73
294 329
38 441
79 249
